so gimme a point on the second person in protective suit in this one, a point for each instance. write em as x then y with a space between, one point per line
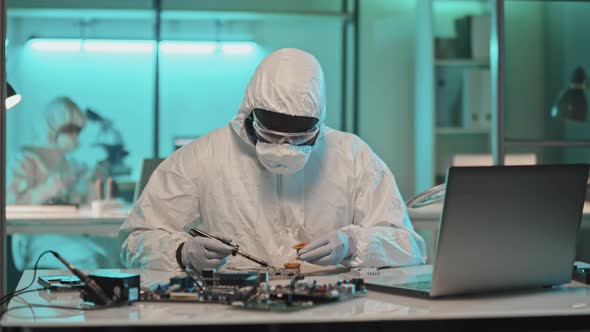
275 176
46 174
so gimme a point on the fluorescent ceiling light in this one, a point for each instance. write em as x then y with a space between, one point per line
55 45
123 46
140 46
188 47
237 48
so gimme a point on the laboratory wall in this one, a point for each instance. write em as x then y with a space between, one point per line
386 81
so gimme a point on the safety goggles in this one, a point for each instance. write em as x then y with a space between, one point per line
277 137
70 129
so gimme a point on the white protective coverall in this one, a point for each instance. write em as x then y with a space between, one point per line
216 183
43 173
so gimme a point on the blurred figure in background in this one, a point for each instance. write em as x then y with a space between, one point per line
44 174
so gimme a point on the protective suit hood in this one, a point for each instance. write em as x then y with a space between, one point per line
288 81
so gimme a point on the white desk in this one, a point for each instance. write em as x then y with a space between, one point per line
33 219
571 301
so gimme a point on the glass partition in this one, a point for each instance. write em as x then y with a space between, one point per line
545 50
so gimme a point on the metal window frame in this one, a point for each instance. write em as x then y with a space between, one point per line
2 152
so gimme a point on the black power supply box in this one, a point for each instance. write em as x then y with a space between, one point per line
120 287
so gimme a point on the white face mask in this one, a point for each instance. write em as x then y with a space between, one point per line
67 143
283 158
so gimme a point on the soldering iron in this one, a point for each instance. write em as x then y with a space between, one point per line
235 248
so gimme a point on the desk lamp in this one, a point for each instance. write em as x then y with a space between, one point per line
571 103
12 98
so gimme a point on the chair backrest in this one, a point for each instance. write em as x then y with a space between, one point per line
147 168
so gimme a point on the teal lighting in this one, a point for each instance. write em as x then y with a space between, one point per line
56 45
140 46
123 46
237 48
188 47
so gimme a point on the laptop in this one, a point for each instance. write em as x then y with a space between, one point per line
503 228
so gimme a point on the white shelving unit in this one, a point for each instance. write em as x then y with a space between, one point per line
435 144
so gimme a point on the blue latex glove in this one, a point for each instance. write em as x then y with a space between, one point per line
330 249
202 253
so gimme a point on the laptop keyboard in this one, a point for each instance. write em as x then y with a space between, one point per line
420 285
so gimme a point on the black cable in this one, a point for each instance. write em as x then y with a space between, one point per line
39 305
32 305
30 291
24 290
16 298
19 293
32 311
9 296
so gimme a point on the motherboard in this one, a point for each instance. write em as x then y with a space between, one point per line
246 290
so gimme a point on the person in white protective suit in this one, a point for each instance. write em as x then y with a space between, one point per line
274 177
44 174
